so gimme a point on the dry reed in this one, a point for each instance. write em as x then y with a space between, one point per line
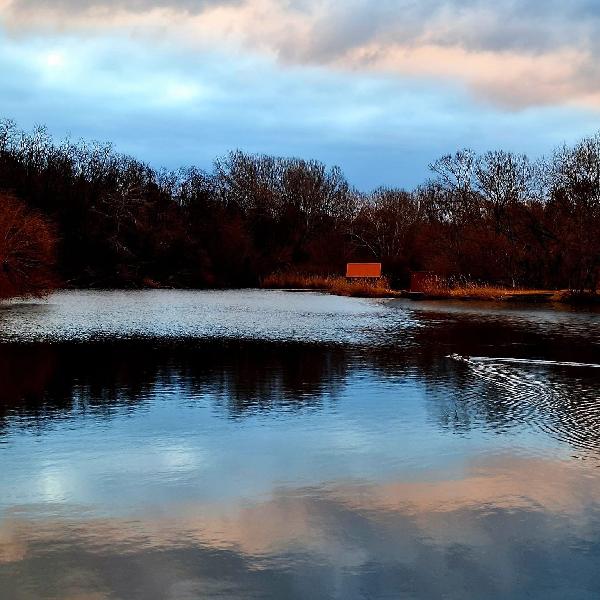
478 291
340 286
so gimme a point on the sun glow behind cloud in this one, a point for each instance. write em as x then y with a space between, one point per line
54 60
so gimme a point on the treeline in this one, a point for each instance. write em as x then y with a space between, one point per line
498 217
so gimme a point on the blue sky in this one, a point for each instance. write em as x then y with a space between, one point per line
379 88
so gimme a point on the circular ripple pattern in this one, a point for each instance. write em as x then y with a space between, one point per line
560 398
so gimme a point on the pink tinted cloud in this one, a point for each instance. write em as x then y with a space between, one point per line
507 53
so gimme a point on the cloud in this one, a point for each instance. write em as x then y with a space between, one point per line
511 52
83 6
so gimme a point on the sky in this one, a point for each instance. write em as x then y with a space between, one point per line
379 87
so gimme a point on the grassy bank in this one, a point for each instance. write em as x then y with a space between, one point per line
340 286
434 290
474 291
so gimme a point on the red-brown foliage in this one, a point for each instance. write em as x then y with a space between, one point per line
27 245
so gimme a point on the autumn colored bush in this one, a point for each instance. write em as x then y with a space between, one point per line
27 250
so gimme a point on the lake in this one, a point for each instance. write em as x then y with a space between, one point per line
273 444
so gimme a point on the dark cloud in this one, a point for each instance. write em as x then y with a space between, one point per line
476 25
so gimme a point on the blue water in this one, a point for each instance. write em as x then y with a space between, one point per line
256 444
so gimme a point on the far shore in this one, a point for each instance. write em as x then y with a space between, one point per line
507 295
380 288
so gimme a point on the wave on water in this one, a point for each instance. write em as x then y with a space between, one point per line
533 392
522 361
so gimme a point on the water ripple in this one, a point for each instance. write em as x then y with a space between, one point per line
566 407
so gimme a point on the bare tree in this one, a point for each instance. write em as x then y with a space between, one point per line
456 176
504 179
385 222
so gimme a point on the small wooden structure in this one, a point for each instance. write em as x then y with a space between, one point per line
363 270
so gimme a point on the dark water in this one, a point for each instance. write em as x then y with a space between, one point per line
187 445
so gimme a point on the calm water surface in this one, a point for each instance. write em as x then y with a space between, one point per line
257 444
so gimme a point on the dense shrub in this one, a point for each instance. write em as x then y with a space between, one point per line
27 246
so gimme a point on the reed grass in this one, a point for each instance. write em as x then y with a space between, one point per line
436 288
340 286
477 291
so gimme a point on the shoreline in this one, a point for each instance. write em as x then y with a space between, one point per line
528 296
362 289
381 288
484 295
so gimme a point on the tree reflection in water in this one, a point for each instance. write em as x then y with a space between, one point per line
41 382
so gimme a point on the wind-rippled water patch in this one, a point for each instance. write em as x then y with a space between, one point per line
190 314
561 398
